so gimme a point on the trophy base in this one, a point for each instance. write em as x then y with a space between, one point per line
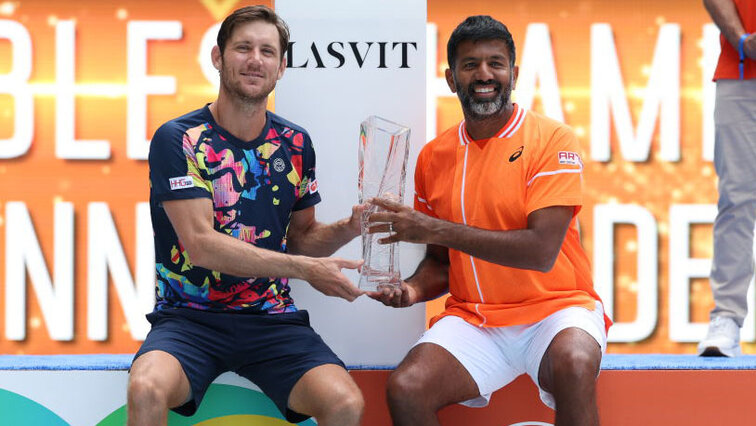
375 280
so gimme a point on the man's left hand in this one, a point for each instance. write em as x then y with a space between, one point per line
401 222
353 224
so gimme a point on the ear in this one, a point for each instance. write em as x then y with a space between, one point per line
515 73
216 57
282 68
450 80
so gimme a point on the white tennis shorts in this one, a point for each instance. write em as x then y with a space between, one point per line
495 356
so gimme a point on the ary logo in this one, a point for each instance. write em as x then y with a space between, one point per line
569 157
279 165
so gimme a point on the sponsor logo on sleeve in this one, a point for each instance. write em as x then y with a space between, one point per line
312 187
181 182
569 157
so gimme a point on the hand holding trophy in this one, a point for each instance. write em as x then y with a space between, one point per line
383 153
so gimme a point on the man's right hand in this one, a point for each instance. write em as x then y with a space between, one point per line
398 297
324 275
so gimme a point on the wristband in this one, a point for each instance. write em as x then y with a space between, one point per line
741 53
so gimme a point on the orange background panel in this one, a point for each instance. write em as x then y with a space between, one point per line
39 178
625 398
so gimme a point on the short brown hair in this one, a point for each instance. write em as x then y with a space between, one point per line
249 14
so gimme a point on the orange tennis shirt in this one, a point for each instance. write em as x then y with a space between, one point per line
494 184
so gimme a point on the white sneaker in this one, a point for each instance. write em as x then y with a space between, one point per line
723 338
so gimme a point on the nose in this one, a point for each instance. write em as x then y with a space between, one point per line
256 57
484 72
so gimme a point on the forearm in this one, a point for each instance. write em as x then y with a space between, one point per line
218 252
321 240
521 248
535 247
430 280
725 16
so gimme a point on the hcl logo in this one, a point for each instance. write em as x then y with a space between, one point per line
181 182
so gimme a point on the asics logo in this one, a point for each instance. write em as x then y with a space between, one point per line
515 155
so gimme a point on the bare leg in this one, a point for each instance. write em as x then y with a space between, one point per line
428 379
156 383
328 393
568 371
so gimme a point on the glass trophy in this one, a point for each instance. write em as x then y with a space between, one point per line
384 148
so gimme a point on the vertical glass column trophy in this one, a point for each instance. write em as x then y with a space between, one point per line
383 153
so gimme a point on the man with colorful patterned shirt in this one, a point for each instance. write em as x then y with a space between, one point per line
232 199
496 202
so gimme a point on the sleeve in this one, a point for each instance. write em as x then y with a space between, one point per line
421 198
555 174
308 186
174 170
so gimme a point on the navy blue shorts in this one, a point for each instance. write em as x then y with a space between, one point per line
272 351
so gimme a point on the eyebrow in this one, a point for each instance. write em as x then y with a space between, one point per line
478 58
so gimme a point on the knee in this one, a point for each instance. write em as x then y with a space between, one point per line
404 386
348 407
352 406
144 389
576 364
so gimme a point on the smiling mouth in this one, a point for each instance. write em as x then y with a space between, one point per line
486 92
252 74
484 88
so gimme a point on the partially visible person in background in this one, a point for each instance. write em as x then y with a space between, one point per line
734 160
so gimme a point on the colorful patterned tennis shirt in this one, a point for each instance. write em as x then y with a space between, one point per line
254 186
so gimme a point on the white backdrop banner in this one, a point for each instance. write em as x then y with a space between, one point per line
347 61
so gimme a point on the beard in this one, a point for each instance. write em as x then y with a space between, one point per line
236 90
477 109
